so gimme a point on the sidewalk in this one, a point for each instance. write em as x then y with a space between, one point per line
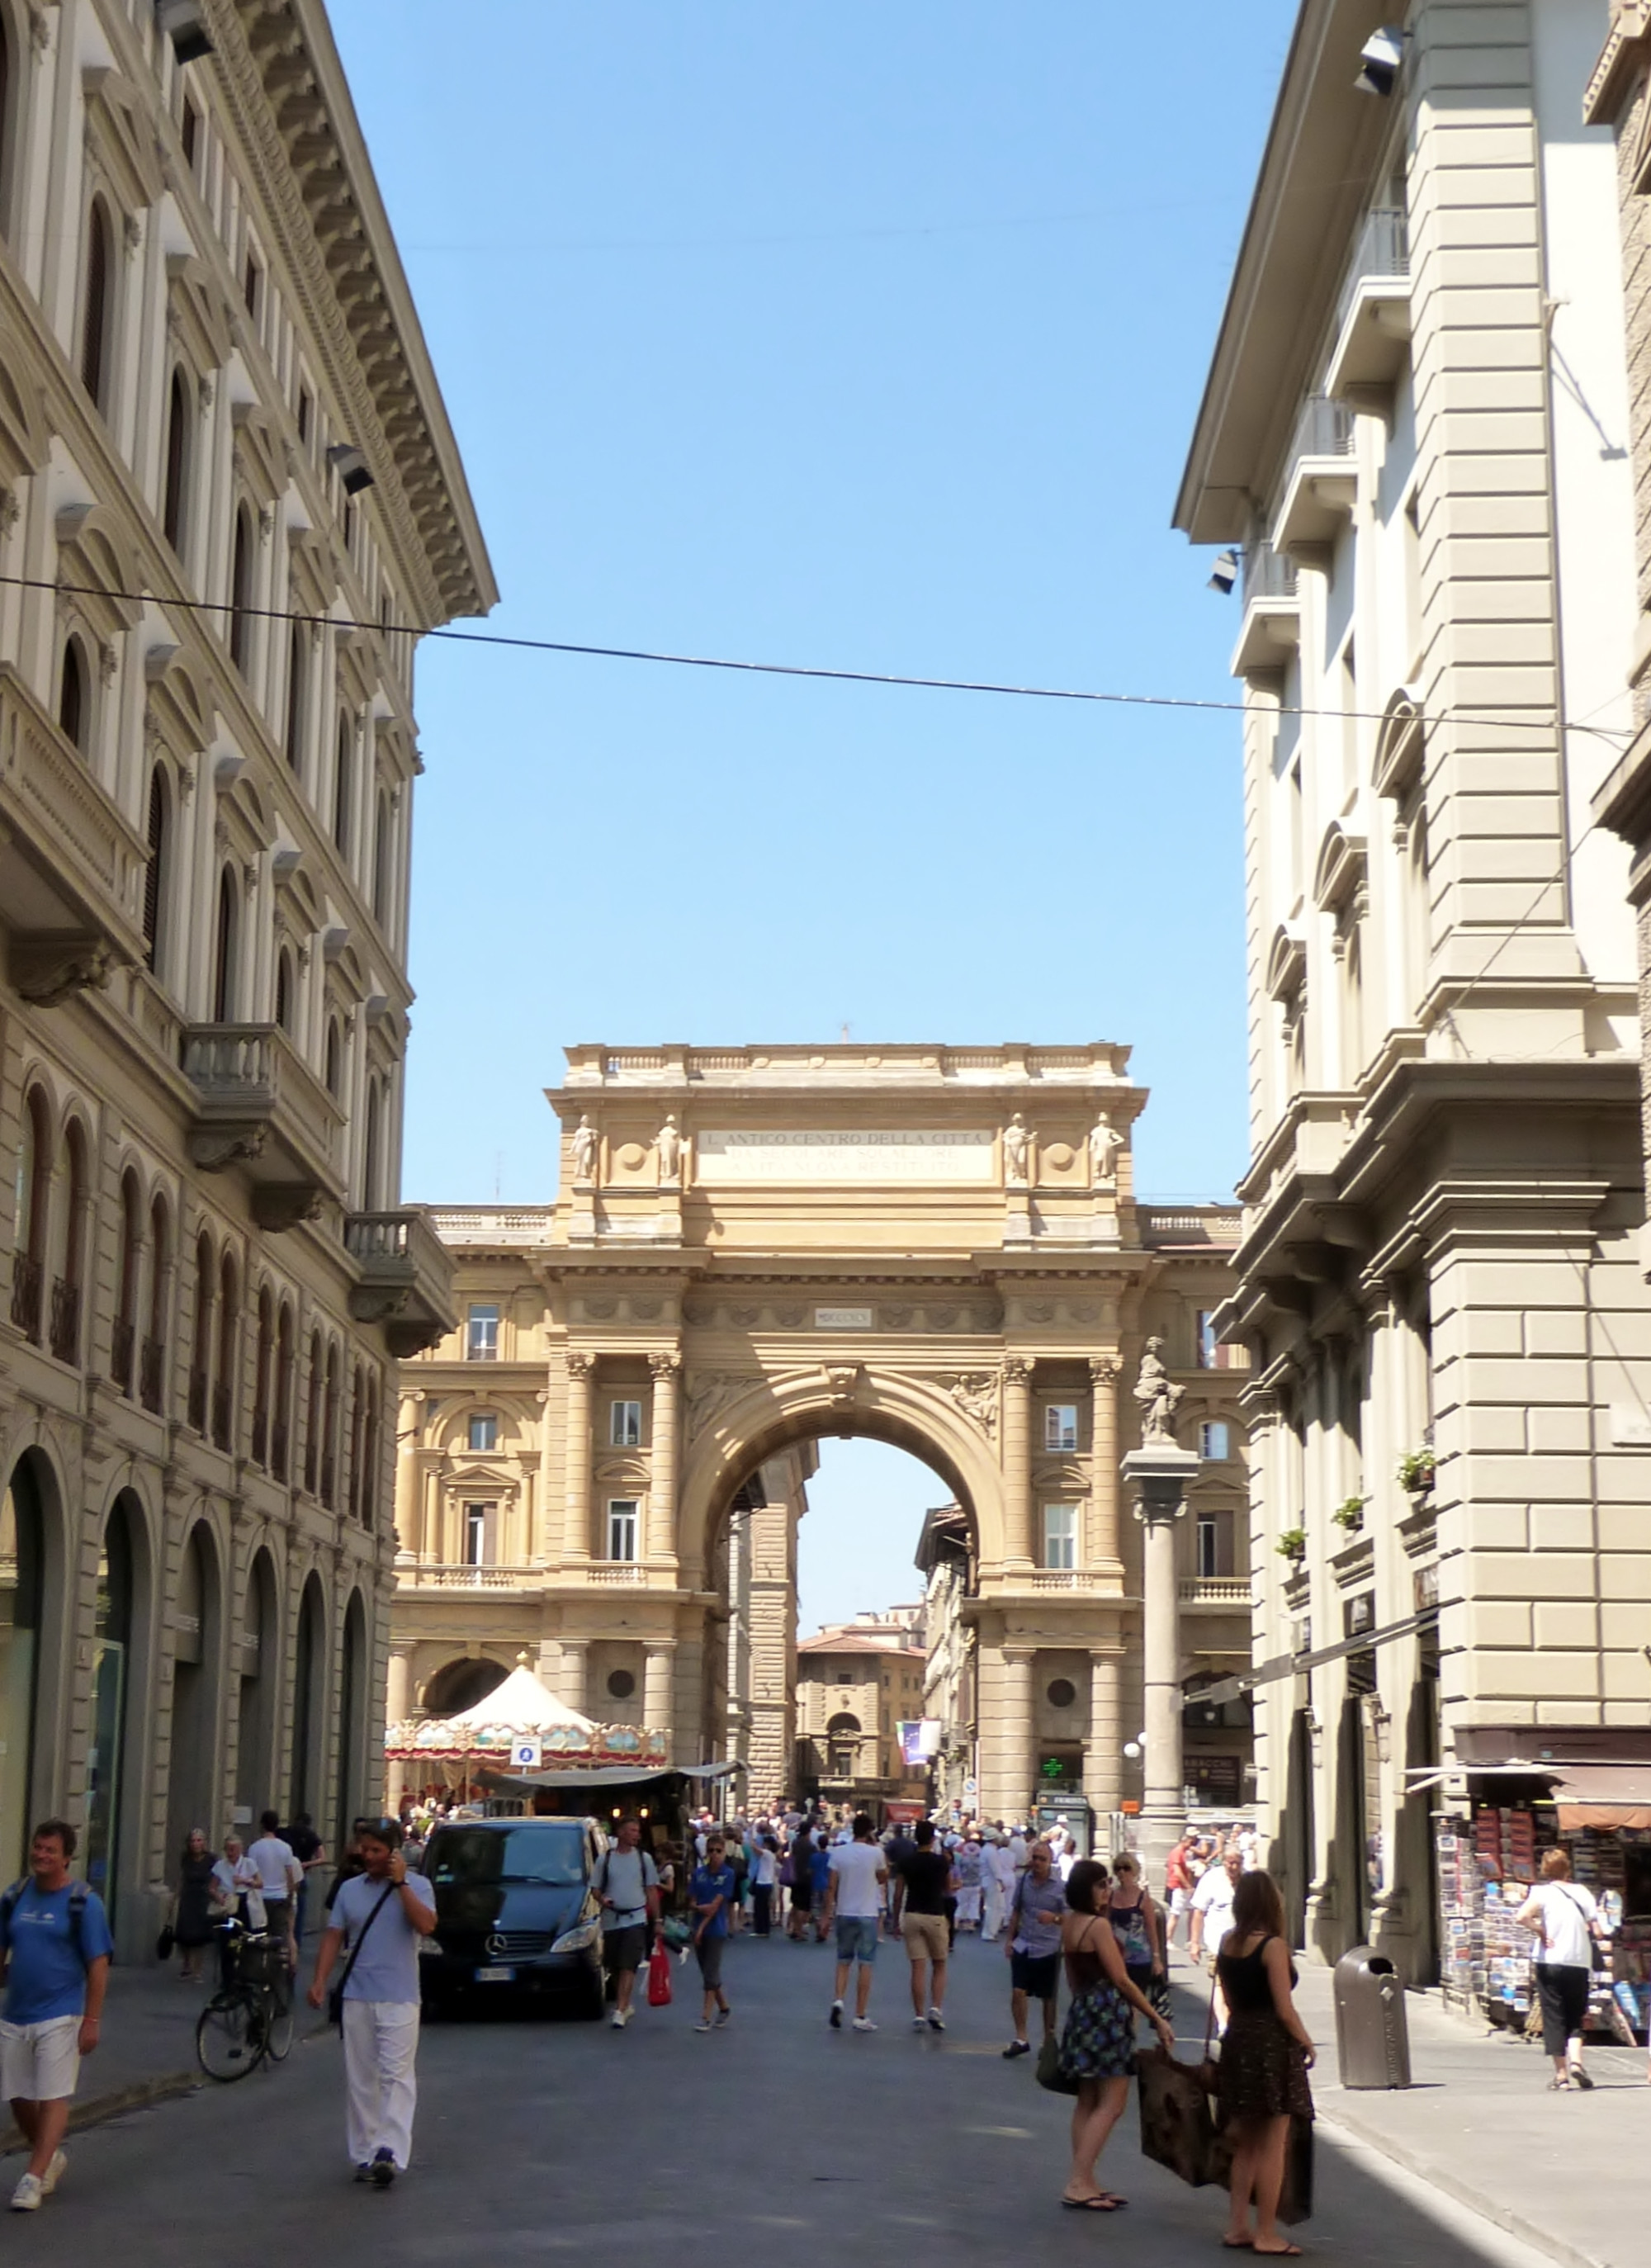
1560 2171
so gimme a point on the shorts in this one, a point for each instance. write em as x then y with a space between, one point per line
856 1936
40 2063
801 1897
625 1948
1180 1902
1036 1974
926 1936
709 1953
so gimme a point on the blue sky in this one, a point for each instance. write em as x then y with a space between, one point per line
863 336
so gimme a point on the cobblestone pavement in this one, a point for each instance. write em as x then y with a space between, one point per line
777 2137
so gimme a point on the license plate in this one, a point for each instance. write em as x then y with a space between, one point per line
495 1975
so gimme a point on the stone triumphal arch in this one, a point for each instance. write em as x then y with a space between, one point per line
757 1248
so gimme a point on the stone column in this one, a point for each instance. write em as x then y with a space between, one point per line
575 1666
1017 1509
576 1522
1159 1472
410 1409
1012 1772
1104 1371
397 1705
658 1676
662 1489
1104 1750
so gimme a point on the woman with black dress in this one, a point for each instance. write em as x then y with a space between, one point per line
192 1923
1265 2056
1098 2047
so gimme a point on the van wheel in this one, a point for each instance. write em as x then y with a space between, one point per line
591 1999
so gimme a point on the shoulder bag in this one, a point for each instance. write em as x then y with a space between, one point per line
335 1997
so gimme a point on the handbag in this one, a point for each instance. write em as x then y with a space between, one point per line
335 1997
659 1977
1049 2072
1177 2124
164 1943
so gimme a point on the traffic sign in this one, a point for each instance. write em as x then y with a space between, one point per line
972 1787
526 1756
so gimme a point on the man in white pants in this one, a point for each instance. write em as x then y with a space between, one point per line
382 1912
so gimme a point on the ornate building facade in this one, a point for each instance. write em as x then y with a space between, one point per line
856 1683
217 413
1413 426
756 1248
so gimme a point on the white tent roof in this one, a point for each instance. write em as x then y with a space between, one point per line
522 1705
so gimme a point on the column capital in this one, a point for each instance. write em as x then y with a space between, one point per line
1016 1370
665 1363
580 1365
1107 1369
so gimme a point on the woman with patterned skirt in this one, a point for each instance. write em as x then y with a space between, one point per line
1265 2055
1098 2047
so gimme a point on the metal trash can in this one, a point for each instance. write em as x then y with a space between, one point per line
1372 2035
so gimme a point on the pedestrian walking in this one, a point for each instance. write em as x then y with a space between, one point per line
278 1875
54 1949
970 1865
192 1904
1038 1910
1178 1883
855 1875
1211 1905
920 1892
1097 2046
382 1912
765 1877
1000 1886
1564 1915
1135 1919
799 1870
1265 2055
713 1893
308 1849
628 1883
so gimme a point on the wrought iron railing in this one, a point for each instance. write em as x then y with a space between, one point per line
27 1283
65 1324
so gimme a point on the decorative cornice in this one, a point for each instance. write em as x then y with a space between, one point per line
1627 46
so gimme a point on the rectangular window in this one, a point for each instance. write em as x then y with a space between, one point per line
1060 1425
1214 1544
478 1519
621 1528
1208 1351
304 414
481 1337
625 1425
249 286
191 131
1214 1440
1061 1535
484 1430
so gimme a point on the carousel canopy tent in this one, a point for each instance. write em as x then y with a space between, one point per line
522 1705
521 1710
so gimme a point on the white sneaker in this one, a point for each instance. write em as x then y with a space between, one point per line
936 2021
28 2194
621 2018
920 2023
864 2024
55 2172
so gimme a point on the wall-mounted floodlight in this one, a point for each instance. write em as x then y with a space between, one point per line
1224 573
185 25
352 467
1381 57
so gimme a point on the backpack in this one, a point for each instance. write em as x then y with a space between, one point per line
647 1857
78 1894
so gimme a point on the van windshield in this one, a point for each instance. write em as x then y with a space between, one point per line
549 1850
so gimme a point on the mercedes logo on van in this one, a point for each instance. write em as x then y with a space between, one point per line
497 1944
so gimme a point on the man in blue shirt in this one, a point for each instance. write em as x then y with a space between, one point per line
711 1894
55 1948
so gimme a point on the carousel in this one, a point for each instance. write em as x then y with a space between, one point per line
489 1737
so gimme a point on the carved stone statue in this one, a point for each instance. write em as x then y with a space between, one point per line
668 1144
1015 1150
1105 1144
1157 1393
585 1145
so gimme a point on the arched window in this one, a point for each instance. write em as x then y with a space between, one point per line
123 1356
201 1365
155 874
94 313
286 1369
152 1358
329 1432
312 1416
263 1364
357 1419
343 784
31 1202
297 647
225 1389
65 1338
370 1197
241 591
224 951
175 489
74 696
381 859
335 1061
283 991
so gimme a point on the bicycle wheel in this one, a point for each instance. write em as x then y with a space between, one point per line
228 2039
277 2020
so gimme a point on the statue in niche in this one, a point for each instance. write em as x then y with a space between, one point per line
1156 1394
585 1144
1105 1145
1015 1146
668 1144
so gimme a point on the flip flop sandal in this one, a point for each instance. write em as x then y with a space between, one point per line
1276 2252
1089 2204
1237 2245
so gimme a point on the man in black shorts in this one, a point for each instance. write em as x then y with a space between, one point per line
1031 1939
801 1856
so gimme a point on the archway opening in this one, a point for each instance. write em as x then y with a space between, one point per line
309 1703
112 1679
191 1792
22 1593
260 1685
352 1722
459 1685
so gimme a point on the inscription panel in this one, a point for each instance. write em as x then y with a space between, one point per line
847 1154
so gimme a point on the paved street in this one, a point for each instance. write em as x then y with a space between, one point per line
778 2135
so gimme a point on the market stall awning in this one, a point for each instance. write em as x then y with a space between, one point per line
1602 1796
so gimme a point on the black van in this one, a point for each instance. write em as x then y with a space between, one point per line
514 1913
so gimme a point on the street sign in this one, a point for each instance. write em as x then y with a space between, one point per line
526 1756
972 1787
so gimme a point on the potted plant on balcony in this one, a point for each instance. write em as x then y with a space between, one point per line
1292 1545
1416 1471
1349 1514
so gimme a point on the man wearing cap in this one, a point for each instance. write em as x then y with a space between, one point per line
382 1912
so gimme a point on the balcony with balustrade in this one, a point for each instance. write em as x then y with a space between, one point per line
404 1278
1372 345
1321 482
1272 627
261 1107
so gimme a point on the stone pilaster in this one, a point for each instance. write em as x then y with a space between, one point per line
662 1491
1017 1509
576 1539
1104 1555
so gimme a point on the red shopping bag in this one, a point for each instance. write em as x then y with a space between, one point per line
659 1977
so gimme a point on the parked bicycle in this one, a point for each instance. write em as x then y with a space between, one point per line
249 2018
